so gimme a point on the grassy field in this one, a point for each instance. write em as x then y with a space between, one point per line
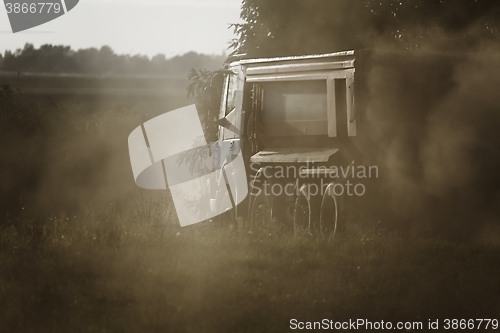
82 249
117 272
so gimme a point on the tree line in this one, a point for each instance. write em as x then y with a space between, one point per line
103 61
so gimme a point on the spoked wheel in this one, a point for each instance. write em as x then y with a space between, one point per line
302 212
329 213
260 210
228 218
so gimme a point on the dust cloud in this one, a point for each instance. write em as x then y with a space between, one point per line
434 117
66 150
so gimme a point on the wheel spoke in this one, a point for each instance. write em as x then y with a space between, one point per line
302 213
329 212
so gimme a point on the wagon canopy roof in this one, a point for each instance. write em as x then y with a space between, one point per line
325 57
305 63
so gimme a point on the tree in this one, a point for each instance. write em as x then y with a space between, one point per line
291 27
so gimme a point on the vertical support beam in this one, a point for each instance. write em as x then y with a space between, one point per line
351 111
341 108
223 105
238 117
332 107
253 120
259 118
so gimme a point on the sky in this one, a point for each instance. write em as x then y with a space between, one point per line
147 27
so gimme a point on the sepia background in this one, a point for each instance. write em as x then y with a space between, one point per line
82 248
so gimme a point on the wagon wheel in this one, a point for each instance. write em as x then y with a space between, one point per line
329 213
228 218
261 212
302 212
260 208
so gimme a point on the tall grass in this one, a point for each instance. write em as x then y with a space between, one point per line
135 271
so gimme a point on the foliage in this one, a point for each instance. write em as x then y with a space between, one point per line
206 87
291 27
